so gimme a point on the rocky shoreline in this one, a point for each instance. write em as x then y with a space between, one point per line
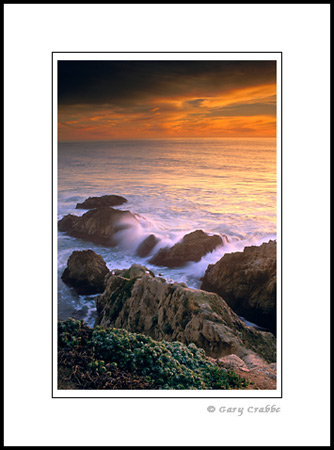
135 300
138 301
247 282
103 224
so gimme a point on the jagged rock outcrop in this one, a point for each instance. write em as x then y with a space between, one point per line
247 282
98 225
99 202
137 301
148 244
191 248
86 272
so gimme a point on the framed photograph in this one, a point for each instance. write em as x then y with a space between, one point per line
167 224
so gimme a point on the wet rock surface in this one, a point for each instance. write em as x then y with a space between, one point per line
98 225
191 248
85 272
99 202
68 222
247 282
145 248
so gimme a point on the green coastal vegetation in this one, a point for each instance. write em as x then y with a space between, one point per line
99 358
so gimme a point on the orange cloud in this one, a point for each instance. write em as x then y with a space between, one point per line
244 111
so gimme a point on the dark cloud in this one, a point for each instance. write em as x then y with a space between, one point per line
123 83
194 103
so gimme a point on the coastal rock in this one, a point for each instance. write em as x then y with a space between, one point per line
247 282
148 244
137 301
98 225
192 247
99 202
86 272
262 376
67 222
233 362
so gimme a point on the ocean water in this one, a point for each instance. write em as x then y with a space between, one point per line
222 186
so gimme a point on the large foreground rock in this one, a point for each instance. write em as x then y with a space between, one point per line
86 272
99 202
98 225
247 282
137 301
192 247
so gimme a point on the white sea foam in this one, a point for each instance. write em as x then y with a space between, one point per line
225 187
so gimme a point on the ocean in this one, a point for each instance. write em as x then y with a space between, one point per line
222 186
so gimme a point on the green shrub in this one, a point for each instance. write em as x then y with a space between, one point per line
165 365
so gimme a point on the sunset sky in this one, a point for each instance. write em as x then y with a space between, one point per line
105 100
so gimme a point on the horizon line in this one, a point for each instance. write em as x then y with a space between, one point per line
166 138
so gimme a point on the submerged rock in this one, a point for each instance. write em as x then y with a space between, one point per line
247 282
86 272
137 301
99 202
191 249
98 225
148 244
